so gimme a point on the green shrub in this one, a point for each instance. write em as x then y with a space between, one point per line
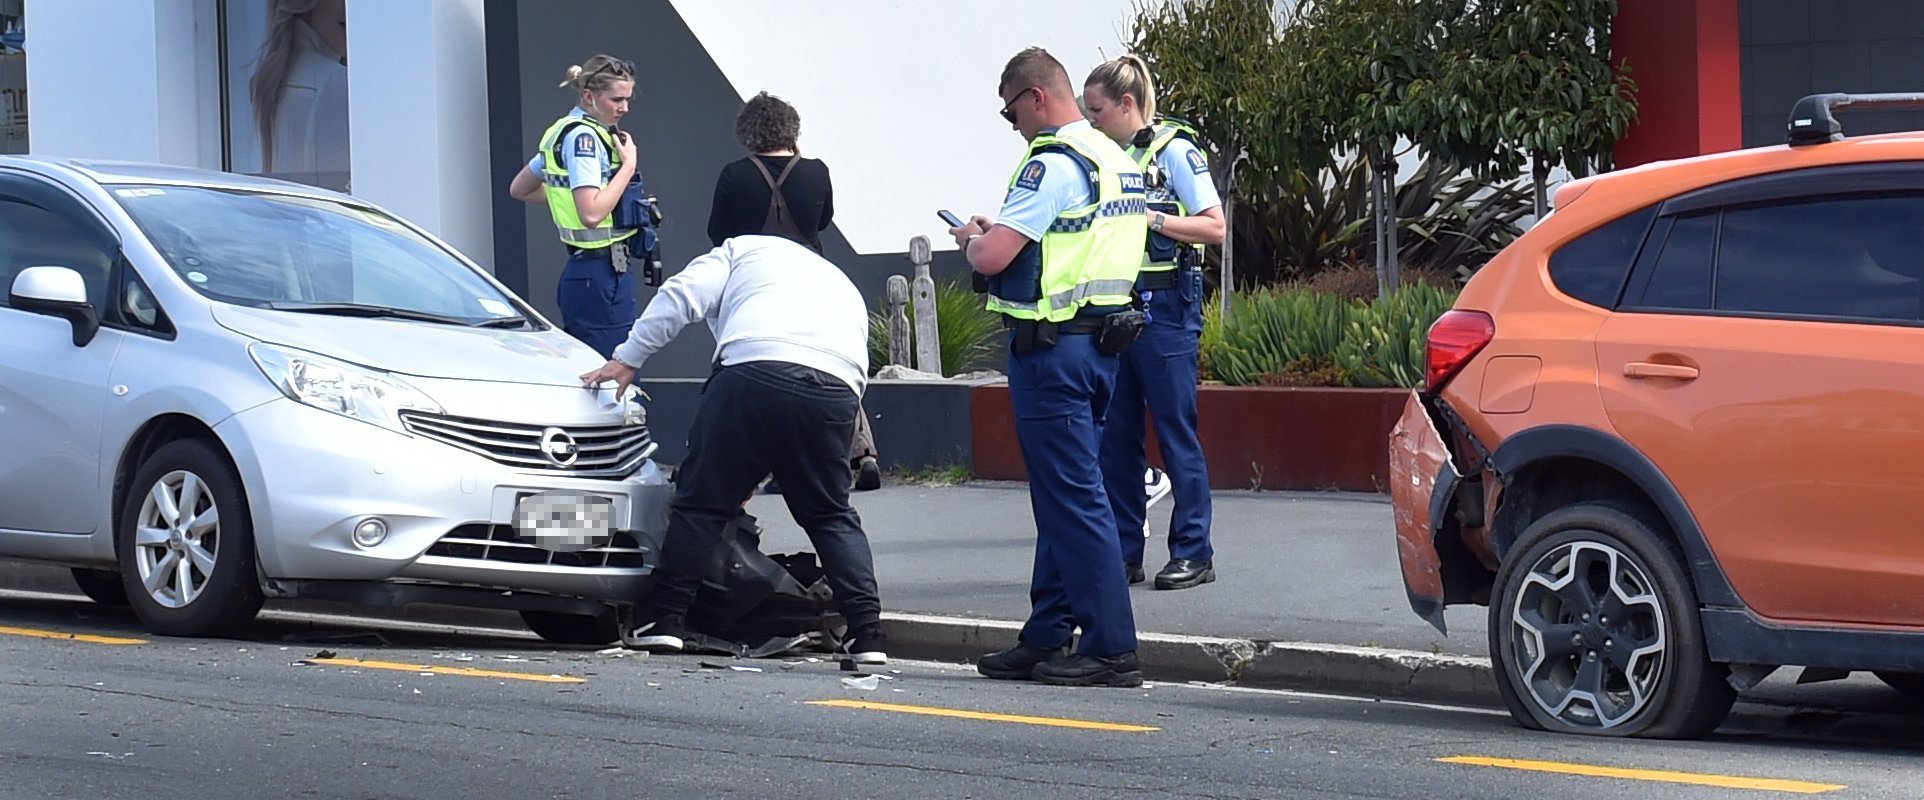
1292 336
970 333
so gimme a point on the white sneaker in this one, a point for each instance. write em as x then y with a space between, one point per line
1156 484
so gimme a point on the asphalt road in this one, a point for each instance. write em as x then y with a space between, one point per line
310 707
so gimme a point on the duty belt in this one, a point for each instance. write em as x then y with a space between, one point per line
1074 326
1158 280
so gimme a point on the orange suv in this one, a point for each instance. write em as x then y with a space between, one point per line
1673 436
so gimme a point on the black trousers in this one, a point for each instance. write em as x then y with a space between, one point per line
755 419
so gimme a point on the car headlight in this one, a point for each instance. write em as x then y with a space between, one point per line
333 385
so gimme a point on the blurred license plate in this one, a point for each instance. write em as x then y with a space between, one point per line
566 521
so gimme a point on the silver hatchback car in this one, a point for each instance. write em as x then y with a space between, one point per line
217 389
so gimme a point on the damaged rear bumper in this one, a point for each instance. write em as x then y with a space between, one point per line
1423 477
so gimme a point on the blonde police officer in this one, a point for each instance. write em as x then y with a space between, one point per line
1159 373
1061 260
582 167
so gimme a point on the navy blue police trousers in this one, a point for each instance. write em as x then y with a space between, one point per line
1159 373
1060 395
597 304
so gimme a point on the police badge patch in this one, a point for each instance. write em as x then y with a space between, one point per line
1031 177
1196 163
585 144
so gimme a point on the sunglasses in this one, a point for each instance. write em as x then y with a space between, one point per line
618 67
1008 111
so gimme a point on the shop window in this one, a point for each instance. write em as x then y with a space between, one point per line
284 65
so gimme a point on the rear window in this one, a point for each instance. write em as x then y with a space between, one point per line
1592 267
1840 257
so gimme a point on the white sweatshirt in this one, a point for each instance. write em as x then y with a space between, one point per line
766 299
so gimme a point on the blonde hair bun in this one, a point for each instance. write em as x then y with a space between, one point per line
574 74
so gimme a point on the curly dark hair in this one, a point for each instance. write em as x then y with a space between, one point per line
767 123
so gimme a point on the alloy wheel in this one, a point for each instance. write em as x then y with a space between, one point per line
176 537
1589 635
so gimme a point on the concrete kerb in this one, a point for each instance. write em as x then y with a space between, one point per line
1308 666
1167 658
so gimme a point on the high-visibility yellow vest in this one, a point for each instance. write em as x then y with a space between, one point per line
1166 130
1090 255
561 199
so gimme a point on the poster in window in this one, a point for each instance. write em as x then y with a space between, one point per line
287 90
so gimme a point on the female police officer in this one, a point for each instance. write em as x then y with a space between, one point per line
582 169
1159 371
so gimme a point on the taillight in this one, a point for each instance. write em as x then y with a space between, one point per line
1454 339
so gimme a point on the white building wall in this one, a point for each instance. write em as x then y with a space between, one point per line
899 97
418 116
122 79
138 80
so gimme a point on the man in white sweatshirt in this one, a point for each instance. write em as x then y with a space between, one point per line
791 360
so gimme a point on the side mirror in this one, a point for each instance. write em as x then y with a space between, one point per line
57 292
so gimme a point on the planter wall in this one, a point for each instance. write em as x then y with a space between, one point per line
917 424
1255 437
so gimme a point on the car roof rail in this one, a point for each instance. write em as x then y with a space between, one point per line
1811 121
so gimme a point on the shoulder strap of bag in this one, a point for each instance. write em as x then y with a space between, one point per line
779 220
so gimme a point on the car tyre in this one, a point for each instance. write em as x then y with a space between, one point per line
564 628
1558 587
102 586
186 544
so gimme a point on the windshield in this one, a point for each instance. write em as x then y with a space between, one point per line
301 253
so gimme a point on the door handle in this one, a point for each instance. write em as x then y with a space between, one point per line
1646 369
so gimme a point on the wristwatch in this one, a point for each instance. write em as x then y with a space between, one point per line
1155 222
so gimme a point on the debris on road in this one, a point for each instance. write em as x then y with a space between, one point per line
865 683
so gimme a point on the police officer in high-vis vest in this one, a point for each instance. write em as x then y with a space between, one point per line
1160 372
581 171
1061 259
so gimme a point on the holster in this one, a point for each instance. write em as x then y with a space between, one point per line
1119 330
618 256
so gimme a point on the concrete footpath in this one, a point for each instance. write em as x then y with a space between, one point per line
1308 594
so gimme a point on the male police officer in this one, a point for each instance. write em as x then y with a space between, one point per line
1062 259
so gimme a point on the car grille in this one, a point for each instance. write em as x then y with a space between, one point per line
605 451
499 543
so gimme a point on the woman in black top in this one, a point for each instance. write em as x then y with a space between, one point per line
744 200
746 203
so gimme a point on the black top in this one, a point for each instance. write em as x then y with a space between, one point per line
741 198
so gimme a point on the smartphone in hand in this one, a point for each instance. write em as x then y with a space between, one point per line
950 218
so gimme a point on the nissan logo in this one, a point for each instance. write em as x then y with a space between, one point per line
559 447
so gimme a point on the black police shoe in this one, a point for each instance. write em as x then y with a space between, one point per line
1183 573
868 475
1017 663
1079 670
1135 574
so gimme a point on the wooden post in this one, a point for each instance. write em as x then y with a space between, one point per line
928 339
898 301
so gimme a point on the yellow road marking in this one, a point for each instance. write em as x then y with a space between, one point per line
1056 722
440 670
76 637
1665 776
